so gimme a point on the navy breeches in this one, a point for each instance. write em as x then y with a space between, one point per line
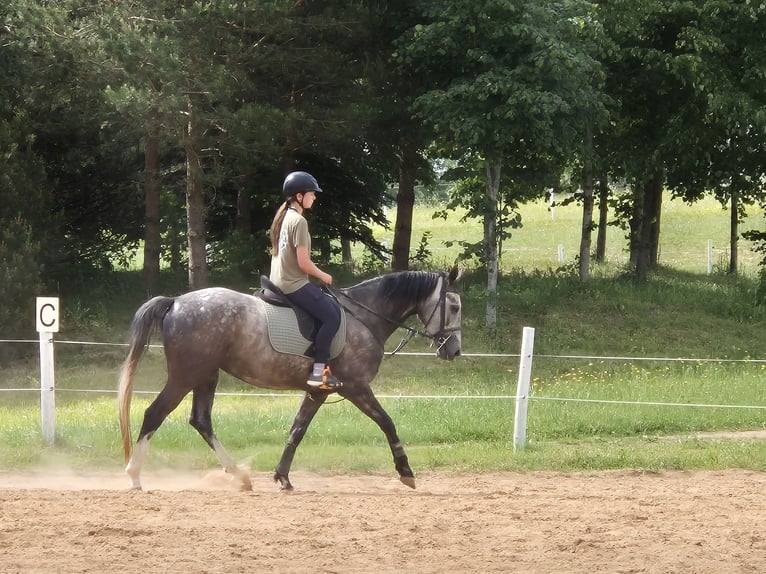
323 308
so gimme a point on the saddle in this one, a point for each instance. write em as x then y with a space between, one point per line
291 329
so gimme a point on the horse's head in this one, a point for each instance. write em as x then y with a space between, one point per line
441 312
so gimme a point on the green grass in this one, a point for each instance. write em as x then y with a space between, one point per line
685 232
440 434
582 413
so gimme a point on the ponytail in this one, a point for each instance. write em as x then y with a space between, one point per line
276 226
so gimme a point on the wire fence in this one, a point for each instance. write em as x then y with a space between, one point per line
471 397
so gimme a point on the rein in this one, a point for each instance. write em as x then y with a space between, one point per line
411 331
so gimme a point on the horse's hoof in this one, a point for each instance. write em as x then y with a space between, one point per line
408 481
283 480
135 488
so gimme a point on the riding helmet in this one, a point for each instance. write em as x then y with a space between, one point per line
299 181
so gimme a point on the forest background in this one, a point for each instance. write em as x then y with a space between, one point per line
167 127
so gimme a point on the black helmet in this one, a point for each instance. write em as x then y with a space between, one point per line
299 181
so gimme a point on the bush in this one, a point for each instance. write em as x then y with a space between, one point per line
21 281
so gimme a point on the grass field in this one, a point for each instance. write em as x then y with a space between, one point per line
686 230
587 411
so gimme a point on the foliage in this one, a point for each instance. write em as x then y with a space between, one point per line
759 237
350 91
469 193
422 257
520 73
21 275
27 228
682 75
114 73
508 89
247 255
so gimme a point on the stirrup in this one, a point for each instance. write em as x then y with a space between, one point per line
325 382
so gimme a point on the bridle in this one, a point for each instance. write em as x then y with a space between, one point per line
439 338
444 334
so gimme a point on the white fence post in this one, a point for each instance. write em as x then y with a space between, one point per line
522 389
47 324
709 256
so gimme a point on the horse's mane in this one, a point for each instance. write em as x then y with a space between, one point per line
403 285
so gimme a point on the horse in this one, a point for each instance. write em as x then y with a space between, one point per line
218 329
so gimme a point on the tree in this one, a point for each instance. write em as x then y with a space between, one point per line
26 227
275 85
298 85
29 226
138 43
587 204
55 167
649 96
394 137
684 75
726 73
505 82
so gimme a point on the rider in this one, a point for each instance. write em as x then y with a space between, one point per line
291 266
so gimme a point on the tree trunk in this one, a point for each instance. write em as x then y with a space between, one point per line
603 217
636 217
152 240
345 252
734 233
176 241
243 223
289 161
490 240
195 206
649 229
587 205
654 222
323 248
405 202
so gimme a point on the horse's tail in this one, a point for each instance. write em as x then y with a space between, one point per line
148 316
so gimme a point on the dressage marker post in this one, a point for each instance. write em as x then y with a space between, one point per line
522 388
47 323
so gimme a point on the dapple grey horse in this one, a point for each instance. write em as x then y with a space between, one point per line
209 330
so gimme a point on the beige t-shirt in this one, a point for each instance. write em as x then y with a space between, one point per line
285 273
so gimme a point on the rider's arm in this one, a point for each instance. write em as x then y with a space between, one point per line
306 265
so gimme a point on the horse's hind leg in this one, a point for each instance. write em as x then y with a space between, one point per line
161 407
366 402
309 407
202 406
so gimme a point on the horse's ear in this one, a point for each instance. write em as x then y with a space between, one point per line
454 274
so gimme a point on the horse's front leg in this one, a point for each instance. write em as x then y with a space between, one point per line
366 402
309 407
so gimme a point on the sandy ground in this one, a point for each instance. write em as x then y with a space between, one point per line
625 522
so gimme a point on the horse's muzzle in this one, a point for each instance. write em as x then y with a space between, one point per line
448 346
